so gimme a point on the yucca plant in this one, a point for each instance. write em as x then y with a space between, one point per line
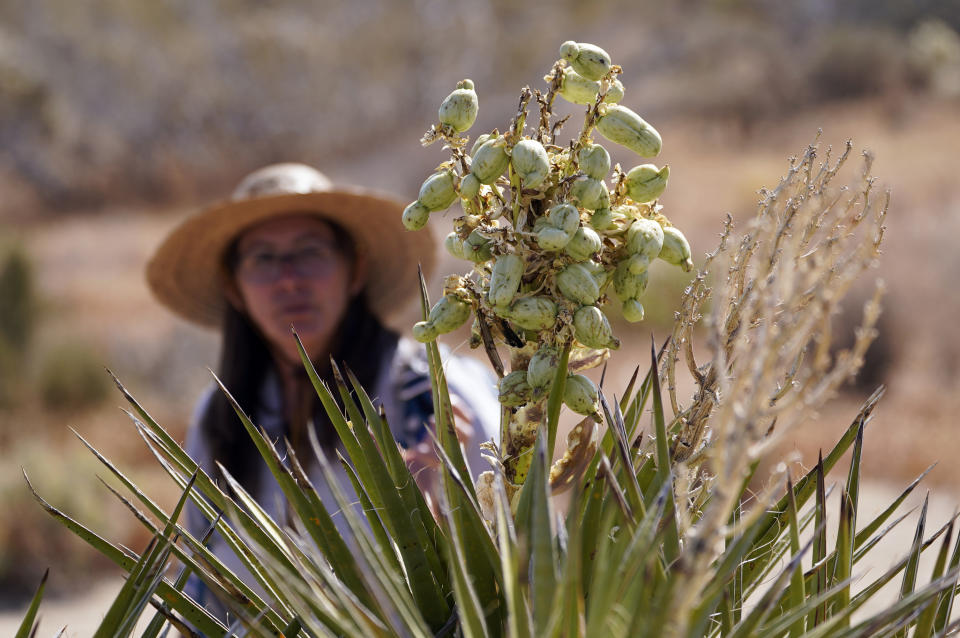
663 533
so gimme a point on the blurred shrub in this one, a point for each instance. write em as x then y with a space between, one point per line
174 79
18 308
72 376
31 539
934 55
11 379
851 62
18 320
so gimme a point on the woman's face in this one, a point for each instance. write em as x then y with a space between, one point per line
291 272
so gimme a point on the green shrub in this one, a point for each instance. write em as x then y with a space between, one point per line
72 376
19 315
12 383
18 321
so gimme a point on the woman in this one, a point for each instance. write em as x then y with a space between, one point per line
291 249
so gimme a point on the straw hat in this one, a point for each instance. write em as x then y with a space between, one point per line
186 269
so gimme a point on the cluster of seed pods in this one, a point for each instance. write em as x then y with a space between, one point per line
550 239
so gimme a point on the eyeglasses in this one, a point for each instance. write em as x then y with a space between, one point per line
262 266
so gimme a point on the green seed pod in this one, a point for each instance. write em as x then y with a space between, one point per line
505 279
584 243
645 237
477 248
569 50
415 216
614 93
599 272
455 246
566 217
469 186
513 389
602 219
577 89
676 249
542 369
540 223
438 191
588 60
424 331
532 313
591 328
459 109
577 284
604 200
530 162
645 183
622 126
449 313
590 193
551 239
490 160
480 141
594 161
637 264
633 310
580 395
626 284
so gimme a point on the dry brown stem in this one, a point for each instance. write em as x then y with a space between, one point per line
766 298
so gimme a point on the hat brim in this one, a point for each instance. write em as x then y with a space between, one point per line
186 269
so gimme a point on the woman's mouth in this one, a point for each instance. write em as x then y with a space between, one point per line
297 310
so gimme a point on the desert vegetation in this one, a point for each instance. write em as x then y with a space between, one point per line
663 534
97 159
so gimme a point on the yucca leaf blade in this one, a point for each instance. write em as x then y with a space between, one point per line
519 623
616 425
844 550
806 486
28 626
945 606
820 582
540 537
468 606
143 579
671 545
555 400
881 518
797 593
418 551
925 623
442 408
908 585
402 478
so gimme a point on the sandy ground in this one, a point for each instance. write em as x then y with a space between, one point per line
82 614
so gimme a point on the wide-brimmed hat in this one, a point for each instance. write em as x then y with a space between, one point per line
185 273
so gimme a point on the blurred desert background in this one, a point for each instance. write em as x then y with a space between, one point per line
119 117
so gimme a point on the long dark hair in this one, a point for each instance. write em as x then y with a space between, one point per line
361 343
